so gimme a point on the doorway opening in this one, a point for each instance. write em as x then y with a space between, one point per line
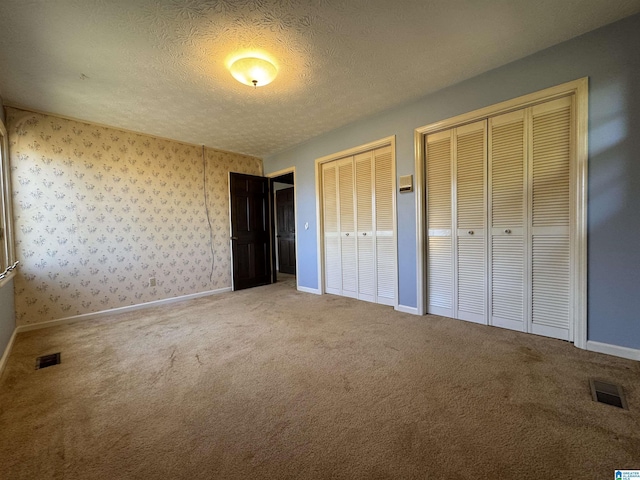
284 222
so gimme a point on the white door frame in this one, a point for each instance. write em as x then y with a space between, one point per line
579 88
279 173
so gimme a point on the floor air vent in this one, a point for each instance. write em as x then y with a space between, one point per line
608 393
47 360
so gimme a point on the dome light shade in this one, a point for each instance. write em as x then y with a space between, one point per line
253 71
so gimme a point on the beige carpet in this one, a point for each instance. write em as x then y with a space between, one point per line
273 383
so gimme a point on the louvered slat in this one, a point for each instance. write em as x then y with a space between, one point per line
349 265
440 274
386 264
551 156
471 275
384 189
366 278
439 183
364 192
470 179
507 274
507 180
385 253
551 281
345 186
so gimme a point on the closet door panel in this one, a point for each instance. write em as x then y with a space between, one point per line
365 239
385 235
348 247
440 268
507 220
332 255
550 217
470 156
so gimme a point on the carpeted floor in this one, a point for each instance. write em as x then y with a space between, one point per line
274 383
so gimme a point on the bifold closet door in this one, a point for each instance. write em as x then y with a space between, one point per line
508 245
439 158
470 155
456 218
385 234
550 218
331 222
359 226
500 228
348 246
340 251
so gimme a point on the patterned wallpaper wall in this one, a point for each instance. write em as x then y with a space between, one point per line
100 211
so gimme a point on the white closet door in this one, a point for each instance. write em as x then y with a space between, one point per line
348 247
365 237
386 255
439 154
332 255
507 221
550 218
470 159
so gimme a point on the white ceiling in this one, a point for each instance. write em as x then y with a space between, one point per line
158 66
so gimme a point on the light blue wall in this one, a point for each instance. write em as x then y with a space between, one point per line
610 58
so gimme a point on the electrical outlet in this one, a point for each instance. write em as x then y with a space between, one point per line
152 282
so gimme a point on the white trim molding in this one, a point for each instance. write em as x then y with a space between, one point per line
279 173
578 88
130 308
405 309
315 291
615 350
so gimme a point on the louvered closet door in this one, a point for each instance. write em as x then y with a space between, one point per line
332 255
470 159
386 255
365 237
550 155
348 247
439 158
507 221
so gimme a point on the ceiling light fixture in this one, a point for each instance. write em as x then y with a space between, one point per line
253 71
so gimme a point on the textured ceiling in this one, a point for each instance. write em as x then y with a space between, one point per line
158 66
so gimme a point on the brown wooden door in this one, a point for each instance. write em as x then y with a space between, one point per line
250 230
286 237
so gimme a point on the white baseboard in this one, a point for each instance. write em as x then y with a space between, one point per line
624 352
405 309
315 291
7 351
113 311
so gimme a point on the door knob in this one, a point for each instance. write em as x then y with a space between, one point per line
507 231
347 234
234 238
470 232
364 234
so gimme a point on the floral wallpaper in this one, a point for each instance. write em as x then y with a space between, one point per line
100 211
